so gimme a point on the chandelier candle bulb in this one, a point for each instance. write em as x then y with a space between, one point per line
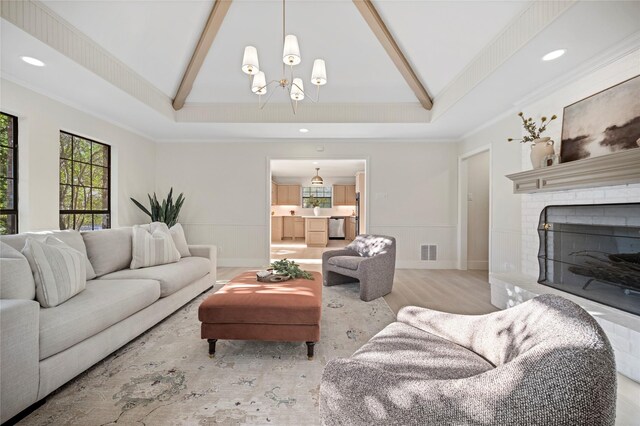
297 90
250 64
259 86
319 73
291 52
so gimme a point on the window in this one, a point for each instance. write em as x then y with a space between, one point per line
321 193
8 174
85 169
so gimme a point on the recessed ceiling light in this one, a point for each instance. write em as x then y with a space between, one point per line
304 130
32 61
554 55
315 162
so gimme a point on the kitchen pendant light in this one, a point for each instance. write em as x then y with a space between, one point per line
317 180
290 84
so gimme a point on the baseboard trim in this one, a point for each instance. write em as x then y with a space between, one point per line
423 264
478 264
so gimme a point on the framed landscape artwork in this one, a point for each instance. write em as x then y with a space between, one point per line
606 122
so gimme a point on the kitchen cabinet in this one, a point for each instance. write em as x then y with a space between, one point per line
316 231
292 227
298 227
274 194
288 195
350 228
276 228
344 195
288 230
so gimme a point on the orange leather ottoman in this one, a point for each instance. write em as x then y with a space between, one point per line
246 309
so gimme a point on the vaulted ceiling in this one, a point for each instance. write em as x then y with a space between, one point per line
124 60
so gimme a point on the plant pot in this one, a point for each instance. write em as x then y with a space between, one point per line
540 148
316 211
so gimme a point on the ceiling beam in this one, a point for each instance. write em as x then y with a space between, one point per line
377 25
218 12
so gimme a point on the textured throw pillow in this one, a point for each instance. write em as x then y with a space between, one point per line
179 239
16 279
153 245
58 270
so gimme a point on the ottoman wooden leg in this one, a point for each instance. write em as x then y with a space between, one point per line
310 346
212 347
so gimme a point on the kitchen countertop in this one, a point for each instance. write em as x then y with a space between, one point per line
316 217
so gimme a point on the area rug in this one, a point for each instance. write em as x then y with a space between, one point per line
165 376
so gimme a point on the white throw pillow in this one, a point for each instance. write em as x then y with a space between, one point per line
59 271
179 239
153 245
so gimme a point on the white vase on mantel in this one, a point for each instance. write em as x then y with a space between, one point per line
316 211
540 149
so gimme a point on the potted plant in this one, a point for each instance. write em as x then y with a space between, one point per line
315 203
166 211
541 147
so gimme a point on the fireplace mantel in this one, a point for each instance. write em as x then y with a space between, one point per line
619 168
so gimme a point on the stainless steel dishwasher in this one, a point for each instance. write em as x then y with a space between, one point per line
336 228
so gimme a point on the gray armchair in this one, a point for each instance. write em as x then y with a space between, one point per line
544 362
370 259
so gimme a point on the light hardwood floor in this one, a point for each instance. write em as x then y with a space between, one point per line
298 251
462 292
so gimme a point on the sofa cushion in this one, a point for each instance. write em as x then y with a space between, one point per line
59 271
371 245
172 276
101 305
70 237
348 262
408 351
16 279
180 240
109 250
152 246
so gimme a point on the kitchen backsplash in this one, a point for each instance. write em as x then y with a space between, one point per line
299 211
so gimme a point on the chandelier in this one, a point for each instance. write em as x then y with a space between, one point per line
292 85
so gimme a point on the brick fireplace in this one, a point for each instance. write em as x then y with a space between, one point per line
509 289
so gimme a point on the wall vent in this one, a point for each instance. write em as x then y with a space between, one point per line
428 252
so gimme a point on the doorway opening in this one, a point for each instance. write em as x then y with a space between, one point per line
475 210
316 206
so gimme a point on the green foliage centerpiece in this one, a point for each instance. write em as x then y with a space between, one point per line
166 211
313 201
534 130
290 269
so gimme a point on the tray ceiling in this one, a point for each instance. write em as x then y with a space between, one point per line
445 42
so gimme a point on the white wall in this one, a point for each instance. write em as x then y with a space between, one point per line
412 189
478 211
306 181
40 120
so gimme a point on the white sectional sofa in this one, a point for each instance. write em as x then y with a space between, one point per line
43 348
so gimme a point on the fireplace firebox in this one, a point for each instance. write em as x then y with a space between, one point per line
592 251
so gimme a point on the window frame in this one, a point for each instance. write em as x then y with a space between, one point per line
91 212
313 193
14 148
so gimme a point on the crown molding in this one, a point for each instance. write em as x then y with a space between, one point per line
520 31
315 142
309 113
42 23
